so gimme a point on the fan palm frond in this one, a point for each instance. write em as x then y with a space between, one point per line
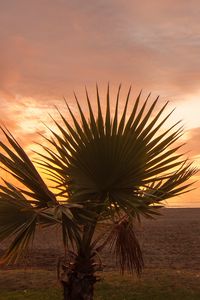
115 160
18 164
20 217
18 220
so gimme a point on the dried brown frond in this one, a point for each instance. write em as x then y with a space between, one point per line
125 246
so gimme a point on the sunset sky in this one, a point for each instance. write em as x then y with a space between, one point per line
49 48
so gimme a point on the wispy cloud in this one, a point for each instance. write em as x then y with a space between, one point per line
51 47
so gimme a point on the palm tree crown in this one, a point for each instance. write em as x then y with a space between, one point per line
108 167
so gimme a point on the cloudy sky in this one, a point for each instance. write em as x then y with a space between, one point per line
49 48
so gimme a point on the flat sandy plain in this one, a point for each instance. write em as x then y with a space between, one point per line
171 241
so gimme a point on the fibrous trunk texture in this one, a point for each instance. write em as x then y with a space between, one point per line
78 286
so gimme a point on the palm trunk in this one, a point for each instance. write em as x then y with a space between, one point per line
78 286
78 278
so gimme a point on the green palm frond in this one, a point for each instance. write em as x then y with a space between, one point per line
22 208
18 164
115 160
15 210
18 220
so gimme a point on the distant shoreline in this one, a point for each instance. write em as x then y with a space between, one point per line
182 207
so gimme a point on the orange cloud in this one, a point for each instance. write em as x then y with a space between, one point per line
50 48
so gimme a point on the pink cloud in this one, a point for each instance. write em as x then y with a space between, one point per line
50 48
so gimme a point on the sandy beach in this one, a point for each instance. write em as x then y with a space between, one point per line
171 241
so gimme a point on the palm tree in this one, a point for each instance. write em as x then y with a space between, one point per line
103 169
